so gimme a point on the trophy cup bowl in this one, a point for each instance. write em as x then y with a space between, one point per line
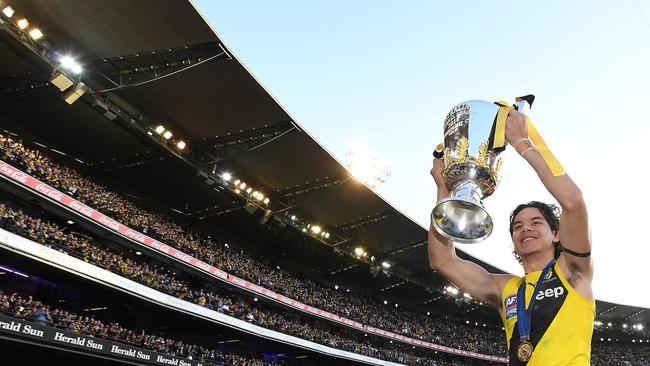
471 172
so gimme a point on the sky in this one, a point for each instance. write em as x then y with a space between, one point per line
386 73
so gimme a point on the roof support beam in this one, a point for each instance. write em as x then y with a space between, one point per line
124 71
405 247
310 188
359 222
230 144
138 159
218 210
343 269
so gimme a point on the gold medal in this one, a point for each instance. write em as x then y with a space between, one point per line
524 351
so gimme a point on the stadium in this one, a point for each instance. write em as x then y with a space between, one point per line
159 206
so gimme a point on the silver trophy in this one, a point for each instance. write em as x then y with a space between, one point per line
471 170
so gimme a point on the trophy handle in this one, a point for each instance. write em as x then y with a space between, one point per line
439 152
524 103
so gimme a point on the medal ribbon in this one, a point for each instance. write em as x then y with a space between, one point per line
524 315
499 140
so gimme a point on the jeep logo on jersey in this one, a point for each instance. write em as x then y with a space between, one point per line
550 292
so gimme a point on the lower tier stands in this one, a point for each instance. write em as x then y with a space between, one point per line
79 245
351 305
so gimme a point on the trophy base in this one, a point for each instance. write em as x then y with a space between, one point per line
461 220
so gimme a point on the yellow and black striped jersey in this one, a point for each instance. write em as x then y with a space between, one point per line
562 321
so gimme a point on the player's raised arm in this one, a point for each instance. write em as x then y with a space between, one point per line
466 275
574 230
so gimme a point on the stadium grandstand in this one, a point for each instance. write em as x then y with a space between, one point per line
159 206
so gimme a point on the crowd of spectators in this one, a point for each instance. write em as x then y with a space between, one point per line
620 354
26 307
82 246
352 305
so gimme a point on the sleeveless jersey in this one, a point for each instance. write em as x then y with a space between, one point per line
562 321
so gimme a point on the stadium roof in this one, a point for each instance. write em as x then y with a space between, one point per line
160 62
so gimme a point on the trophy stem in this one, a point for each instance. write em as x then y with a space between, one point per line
469 191
462 217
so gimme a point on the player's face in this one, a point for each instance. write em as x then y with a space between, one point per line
531 233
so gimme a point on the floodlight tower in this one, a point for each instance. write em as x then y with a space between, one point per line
366 166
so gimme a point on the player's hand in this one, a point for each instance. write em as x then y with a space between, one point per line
437 174
516 130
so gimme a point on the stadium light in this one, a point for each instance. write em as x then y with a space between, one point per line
316 229
76 93
639 326
452 290
624 326
385 264
36 34
167 135
366 167
258 195
226 176
336 287
160 129
385 302
180 145
71 64
293 217
266 201
23 23
242 185
8 11
138 253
